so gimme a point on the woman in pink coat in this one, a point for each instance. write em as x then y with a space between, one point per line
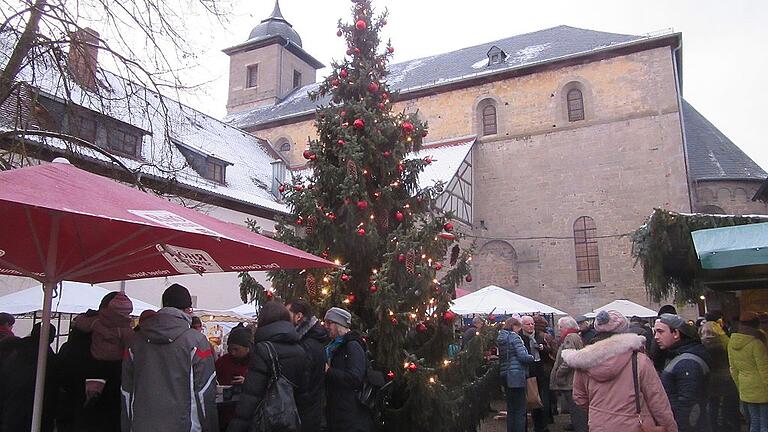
603 384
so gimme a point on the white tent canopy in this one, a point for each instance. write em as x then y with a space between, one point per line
73 298
248 309
497 300
222 315
626 308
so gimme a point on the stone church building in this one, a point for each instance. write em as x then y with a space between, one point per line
571 138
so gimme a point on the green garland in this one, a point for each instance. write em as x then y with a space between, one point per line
664 248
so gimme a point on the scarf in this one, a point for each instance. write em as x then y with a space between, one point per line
333 346
305 325
566 332
533 345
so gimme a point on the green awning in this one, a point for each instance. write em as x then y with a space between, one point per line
733 246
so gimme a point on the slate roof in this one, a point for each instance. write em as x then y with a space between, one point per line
711 155
522 50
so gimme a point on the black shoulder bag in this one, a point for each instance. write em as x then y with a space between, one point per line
277 411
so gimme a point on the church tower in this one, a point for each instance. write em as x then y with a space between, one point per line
269 65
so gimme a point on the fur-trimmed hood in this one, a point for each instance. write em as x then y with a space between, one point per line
603 360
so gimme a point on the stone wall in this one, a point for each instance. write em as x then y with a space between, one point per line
729 197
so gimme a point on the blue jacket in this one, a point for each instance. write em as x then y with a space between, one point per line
686 383
513 358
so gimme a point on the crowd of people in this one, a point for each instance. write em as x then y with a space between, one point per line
621 373
163 374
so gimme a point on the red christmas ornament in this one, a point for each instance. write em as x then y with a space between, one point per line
300 221
324 254
399 216
385 96
343 113
438 266
387 153
362 205
298 188
468 278
447 236
373 87
351 298
393 321
361 232
341 142
390 375
335 82
427 160
343 73
281 188
390 50
359 124
269 294
373 288
421 328
339 33
401 257
331 216
449 316
424 134
381 105
407 127
448 226
491 318
357 50
412 367
345 277
361 25
309 155
400 167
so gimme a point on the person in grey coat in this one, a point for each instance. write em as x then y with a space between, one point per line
561 379
513 361
169 377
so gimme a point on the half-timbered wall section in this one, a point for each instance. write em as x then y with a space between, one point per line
457 197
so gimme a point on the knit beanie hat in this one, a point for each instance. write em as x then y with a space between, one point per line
611 322
177 296
678 323
339 316
121 305
147 314
240 336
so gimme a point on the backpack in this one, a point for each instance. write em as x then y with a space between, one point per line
277 411
373 383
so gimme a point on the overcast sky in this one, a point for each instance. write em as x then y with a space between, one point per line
724 55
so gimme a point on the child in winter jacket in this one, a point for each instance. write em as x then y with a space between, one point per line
111 334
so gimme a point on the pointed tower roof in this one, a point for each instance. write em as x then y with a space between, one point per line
275 25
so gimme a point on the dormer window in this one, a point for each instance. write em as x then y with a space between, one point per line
215 171
496 55
124 142
208 166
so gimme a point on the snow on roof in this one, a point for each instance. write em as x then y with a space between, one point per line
248 179
446 156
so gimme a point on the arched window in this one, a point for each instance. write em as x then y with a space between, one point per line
587 258
285 146
575 102
489 120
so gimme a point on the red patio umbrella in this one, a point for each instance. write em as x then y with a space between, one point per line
62 223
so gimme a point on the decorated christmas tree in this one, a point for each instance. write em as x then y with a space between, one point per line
399 257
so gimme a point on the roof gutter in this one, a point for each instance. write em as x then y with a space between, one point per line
676 61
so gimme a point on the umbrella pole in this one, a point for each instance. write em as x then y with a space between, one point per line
42 356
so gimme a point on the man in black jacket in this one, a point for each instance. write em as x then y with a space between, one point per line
313 338
344 374
686 374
